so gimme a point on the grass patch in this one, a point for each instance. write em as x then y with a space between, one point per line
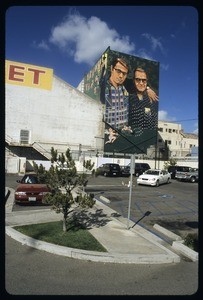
77 235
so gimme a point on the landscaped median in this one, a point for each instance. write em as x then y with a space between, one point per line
60 250
163 255
123 246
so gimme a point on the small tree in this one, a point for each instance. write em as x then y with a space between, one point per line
62 178
170 162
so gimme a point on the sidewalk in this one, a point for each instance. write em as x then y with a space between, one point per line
133 245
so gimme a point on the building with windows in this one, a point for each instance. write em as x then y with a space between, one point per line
171 137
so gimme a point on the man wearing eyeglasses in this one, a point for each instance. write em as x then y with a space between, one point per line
119 72
140 82
143 112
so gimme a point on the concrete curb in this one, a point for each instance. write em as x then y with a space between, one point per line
177 243
91 255
104 199
186 251
167 232
9 201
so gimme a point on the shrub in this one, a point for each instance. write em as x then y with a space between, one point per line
191 241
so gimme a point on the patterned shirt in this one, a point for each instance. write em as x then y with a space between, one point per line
116 101
143 114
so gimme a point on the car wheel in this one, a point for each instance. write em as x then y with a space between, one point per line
192 179
157 183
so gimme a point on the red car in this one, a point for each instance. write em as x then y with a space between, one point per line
30 190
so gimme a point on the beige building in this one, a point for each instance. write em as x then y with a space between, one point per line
179 143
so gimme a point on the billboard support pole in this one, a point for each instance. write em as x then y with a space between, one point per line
132 170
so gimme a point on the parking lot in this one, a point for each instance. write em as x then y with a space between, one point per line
174 205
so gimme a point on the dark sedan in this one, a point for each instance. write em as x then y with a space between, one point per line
109 169
125 170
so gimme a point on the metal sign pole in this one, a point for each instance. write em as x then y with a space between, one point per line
132 170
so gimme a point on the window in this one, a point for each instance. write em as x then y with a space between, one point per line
24 136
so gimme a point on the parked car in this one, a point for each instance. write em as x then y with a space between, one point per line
173 169
30 190
140 168
109 169
154 177
125 170
191 176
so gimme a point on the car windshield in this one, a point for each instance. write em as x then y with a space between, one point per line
152 172
114 166
30 179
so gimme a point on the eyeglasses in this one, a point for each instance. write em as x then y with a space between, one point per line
118 71
144 80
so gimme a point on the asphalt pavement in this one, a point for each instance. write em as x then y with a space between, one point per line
125 241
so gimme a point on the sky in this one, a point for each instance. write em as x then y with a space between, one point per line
70 40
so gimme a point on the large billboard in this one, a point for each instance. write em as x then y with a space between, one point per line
127 86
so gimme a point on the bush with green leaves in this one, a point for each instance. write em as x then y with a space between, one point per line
170 162
191 241
62 178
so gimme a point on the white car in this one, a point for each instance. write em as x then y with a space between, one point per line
154 177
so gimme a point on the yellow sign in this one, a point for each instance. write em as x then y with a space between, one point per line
28 75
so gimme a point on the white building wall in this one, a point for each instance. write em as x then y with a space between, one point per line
15 165
190 142
61 115
152 163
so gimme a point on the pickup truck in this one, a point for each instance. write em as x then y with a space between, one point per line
192 175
